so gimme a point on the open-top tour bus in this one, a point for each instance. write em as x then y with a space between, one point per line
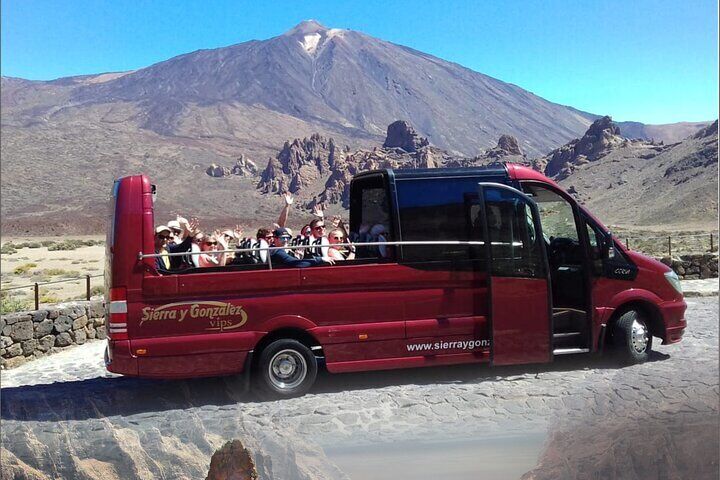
482 265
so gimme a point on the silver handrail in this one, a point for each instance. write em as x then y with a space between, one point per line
142 255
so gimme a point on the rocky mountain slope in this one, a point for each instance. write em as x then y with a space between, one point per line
636 183
342 80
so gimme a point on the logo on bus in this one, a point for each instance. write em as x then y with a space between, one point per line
220 315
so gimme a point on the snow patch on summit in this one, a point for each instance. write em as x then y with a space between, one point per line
310 42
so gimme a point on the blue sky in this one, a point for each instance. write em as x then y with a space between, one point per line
649 61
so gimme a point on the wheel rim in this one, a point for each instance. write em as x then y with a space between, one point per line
639 336
287 369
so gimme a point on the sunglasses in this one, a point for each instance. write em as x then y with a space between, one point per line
319 227
164 237
210 243
176 231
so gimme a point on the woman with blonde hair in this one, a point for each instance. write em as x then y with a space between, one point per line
336 236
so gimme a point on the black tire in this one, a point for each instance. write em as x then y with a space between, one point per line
286 368
632 340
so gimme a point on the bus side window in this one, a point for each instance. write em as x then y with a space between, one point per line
370 216
514 243
440 209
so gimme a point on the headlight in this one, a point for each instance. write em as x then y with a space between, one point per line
673 280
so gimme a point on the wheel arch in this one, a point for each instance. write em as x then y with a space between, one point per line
290 332
651 313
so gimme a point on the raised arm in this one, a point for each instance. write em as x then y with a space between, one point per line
282 219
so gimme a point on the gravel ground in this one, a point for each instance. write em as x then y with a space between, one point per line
73 391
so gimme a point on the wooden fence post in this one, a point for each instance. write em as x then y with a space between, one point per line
627 243
87 287
37 296
669 246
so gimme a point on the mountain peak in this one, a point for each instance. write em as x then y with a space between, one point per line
307 27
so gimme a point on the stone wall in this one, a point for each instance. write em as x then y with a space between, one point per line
693 267
28 335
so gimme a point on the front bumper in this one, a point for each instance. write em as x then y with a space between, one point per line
673 314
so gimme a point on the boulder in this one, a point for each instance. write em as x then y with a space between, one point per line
96 309
80 322
215 170
46 343
63 323
22 331
232 462
44 328
29 347
63 340
13 318
39 316
13 350
101 334
5 341
79 336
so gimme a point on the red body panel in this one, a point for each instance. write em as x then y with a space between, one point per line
520 320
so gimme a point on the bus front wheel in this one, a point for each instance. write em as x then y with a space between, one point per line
286 368
632 338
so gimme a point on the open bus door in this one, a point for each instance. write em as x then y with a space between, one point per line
520 301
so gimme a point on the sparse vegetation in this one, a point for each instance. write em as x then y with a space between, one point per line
8 248
55 272
97 290
13 301
49 297
73 244
24 269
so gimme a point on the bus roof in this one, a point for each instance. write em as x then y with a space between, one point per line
409 173
512 171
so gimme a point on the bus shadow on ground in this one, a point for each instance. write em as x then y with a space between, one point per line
125 396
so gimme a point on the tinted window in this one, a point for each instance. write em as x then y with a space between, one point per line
515 243
436 210
370 216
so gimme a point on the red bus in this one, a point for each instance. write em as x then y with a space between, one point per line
493 265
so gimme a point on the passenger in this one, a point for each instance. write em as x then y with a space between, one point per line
209 258
379 234
339 253
264 234
181 241
163 234
229 236
197 240
317 228
284 256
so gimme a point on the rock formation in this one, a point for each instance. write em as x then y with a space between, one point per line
602 136
508 145
232 462
400 134
215 170
300 164
244 167
708 131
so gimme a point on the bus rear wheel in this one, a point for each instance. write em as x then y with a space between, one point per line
632 338
286 368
